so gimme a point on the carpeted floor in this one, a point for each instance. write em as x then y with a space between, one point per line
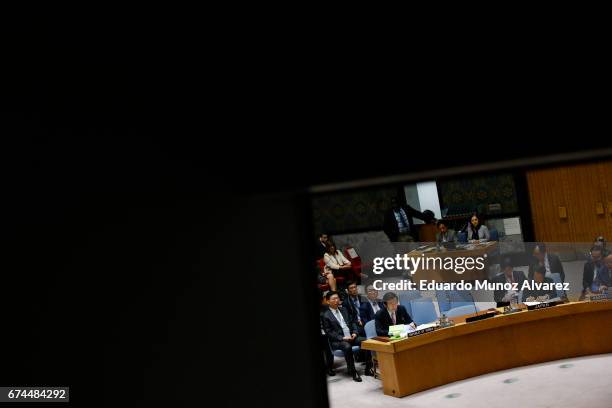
576 382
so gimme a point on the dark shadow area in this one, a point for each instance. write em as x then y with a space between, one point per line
140 269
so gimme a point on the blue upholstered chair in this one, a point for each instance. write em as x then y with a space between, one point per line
370 329
493 235
340 353
461 310
462 237
405 297
423 310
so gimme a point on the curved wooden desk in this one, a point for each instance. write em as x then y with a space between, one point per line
504 341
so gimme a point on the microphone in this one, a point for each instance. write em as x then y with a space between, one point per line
473 302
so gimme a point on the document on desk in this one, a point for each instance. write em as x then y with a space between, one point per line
399 330
537 302
512 226
426 326
397 327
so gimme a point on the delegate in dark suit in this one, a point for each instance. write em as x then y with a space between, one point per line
498 295
383 319
353 306
367 311
332 327
333 330
588 275
555 266
448 236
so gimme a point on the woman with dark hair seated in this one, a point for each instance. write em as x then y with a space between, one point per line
477 232
336 261
327 277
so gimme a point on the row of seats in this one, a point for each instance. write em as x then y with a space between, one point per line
451 303
422 309
355 269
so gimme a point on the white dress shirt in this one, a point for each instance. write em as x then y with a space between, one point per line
338 316
547 266
375 306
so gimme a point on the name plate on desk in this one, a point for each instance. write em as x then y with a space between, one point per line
543 305
603 296
479 317
422 331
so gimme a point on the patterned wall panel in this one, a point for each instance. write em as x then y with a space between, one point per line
466 194
351 211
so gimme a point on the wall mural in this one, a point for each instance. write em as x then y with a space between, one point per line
465 195
351 211
362 210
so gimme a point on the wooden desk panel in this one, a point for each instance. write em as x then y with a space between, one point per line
505 341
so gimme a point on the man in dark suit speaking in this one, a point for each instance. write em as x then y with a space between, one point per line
391 315
343 333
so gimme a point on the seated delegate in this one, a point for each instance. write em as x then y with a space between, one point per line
327 277
508 275
371 305
595 276
336 261
393 314
543 294
343 334
477 232
445 234
549 261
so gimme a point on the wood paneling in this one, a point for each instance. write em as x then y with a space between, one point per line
584 192
546 195
606 179
578 189
467 350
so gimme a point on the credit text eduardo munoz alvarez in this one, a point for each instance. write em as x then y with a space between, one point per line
405 284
